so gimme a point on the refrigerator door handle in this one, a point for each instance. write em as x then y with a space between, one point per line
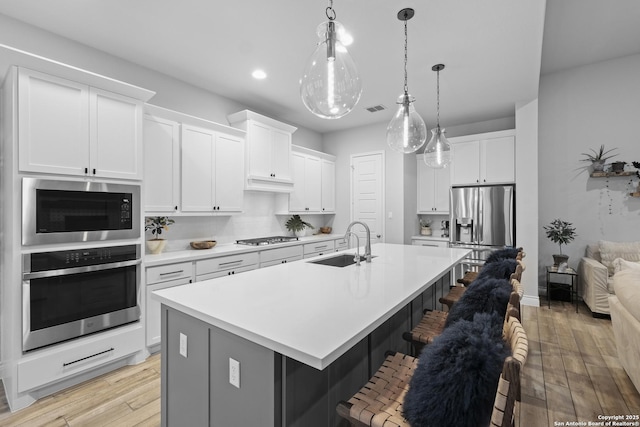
480 225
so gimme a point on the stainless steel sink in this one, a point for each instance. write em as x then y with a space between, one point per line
341 260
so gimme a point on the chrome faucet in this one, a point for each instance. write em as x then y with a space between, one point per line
367 247
356 257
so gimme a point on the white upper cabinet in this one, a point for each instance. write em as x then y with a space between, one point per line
161 164
433 188
483 159
306 195
212 171
328 186
313 183
268 152
70 128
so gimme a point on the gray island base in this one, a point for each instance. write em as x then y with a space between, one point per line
297 337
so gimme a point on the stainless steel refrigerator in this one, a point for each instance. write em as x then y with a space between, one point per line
482 218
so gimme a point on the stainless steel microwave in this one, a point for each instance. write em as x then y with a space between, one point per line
78 211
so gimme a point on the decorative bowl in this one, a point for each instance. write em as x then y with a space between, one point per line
206 244
325 230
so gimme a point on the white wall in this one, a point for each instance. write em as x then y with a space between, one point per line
580 109
527 195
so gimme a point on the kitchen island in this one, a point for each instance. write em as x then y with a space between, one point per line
304 335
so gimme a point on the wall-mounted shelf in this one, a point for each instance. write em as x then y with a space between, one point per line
611 174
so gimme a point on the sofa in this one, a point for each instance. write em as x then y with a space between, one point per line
596 272
625 318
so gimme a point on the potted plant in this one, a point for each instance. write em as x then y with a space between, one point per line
425 227
157 224
296 225
598 158
562 233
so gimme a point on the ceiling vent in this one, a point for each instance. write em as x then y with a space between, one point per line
375 108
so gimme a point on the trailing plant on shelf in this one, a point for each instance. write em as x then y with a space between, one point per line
562 233
157 224
598 158
296 225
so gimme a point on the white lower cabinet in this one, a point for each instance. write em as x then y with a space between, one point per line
341 244
82 355
162 277
280 256
427 242
226 265
319 248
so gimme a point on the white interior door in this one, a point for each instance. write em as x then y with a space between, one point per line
367 194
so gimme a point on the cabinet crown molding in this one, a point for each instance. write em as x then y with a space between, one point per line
244 115
310 152
176 116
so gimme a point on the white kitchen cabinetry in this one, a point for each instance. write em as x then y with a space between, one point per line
161 277
307 184
161 164
319 248
280 256
268 152
328 186
483 159
314 182
341 244
433 188
226 265
429 242
212 171
71 128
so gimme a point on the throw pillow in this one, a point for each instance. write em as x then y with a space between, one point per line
609 251
501 269
627 287
620 264
499 254
486 296
457 375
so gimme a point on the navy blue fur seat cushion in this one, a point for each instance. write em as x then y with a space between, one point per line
500 269
485 296
499 254
457 375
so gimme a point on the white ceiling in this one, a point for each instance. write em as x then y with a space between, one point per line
492 49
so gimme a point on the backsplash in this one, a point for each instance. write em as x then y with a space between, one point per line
258 220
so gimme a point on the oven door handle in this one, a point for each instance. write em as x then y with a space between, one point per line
78 270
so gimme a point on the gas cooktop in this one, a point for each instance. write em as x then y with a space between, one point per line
260 241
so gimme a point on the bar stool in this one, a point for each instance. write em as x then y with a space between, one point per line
380 402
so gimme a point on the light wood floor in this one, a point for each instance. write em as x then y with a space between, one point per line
572 374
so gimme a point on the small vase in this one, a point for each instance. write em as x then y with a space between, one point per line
301 233
559 259
425 231
598 165
156 246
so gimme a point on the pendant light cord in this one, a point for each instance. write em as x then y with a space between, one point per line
438 99
406 87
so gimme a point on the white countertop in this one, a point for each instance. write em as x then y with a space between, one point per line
227 249
310 312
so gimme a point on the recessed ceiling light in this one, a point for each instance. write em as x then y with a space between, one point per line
259 75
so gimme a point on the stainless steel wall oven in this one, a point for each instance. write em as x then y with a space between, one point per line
72 293
78 211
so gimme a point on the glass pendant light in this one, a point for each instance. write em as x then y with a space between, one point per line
406 132
438 154
330 86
